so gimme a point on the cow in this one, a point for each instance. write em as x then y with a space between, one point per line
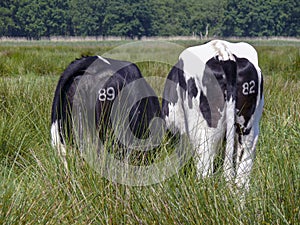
99 82
216 94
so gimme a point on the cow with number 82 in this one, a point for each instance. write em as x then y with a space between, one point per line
219 96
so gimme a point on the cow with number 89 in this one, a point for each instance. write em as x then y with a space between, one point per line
88 93
219 96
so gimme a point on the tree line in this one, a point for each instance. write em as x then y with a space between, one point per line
34 19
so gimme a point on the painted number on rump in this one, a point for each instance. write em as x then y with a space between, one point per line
106 94
248 87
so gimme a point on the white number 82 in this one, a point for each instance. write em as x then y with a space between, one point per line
248 87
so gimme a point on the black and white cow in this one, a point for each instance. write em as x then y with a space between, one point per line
218 94
100 81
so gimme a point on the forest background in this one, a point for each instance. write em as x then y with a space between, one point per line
34 19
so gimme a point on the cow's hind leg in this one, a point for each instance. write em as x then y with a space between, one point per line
204 159
246 147
206 150
245 155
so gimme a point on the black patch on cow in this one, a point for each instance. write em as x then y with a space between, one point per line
176 76
247 91
229 68
215 83
241 130
205 109
192 91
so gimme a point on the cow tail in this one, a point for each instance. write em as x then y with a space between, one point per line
230 69
57 119
61 106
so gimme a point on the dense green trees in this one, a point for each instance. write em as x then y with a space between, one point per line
262 18
137 18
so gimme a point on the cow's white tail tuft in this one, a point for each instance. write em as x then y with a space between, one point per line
230 138
56 142
55 137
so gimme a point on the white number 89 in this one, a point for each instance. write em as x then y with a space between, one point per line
106 94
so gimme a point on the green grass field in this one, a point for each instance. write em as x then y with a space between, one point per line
36 189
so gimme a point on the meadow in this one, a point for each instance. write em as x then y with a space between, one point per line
35 188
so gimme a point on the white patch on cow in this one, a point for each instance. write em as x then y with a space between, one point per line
224 49
56 143
104 60
240 119
194 60
258 101
244 50
206 140
55 138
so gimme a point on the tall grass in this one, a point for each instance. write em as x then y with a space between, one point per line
35 187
